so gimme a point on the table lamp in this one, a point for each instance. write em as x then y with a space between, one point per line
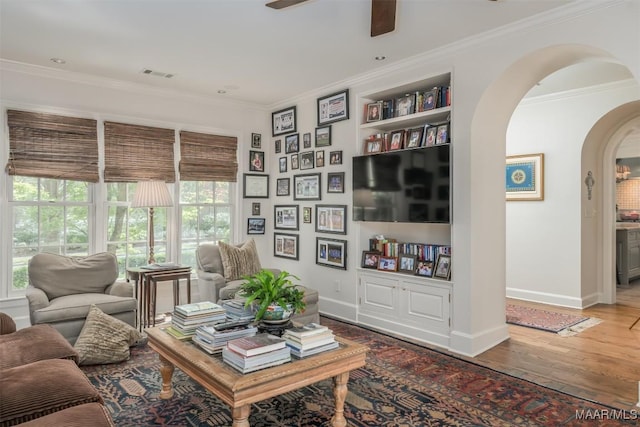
151 194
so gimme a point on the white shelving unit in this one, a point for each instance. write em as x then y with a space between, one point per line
414 306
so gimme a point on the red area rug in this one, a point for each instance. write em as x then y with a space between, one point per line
541 319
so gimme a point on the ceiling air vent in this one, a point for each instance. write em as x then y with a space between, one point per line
157 73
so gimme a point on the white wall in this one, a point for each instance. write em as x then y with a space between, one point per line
490 76
543 237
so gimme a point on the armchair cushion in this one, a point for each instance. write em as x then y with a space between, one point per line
104 339
7 325
239 262
59 275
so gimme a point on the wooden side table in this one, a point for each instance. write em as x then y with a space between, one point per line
146 280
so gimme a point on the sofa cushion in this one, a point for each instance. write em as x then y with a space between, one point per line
34 343
7 325
104 339
89 414
239 261
59 275
40 388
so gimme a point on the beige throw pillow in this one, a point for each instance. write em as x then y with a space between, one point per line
239 261
104 339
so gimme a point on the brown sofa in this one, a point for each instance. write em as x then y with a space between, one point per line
40 382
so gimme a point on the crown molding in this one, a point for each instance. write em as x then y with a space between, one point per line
629 84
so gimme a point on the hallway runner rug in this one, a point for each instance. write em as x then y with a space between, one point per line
541 319
402 385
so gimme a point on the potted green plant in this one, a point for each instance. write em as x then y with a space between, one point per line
274 298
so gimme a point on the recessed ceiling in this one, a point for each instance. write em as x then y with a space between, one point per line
251 52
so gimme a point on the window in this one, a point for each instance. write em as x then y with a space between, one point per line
205 213
49 215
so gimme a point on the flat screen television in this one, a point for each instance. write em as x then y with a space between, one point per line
403 186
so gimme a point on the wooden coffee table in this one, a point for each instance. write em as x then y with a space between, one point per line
239 391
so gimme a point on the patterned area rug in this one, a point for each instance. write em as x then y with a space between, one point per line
402 385
541 319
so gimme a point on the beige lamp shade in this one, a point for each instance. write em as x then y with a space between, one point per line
151 194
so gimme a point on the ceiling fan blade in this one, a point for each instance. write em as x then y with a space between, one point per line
383 17
281 4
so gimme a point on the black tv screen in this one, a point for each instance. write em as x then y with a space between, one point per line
403 186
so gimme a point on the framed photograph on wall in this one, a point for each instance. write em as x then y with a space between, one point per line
443 267
278 145
255 208
291 144
282 164
294 162
331 252
306 140
388 263
255 225
331 219
370 259
307 187
282 186
286 217
335 157
256 140
333 108
407 263
256 161
335 182
319 158
285 245
323 136
525 177
306 215
306 160
255 186
283 121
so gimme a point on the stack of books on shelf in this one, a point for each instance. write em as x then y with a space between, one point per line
236 310
309 339
187 318
257 352
213 338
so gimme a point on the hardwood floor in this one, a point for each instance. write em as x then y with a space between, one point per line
601 363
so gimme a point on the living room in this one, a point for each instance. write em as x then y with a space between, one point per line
500 249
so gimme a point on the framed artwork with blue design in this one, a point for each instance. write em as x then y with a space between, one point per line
525 177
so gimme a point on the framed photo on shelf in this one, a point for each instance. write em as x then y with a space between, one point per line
306 160
278 145
282 186
319 158
294 162
370 259
256 161
333 108
282 164
255 186
323 136
286 217
283 121
372 146
291 144
397 138
335 157
331 219
424 268
429 135
256 140
306 215
331 253
255 225
442 135
388 263
525 177
429 100
307 187
415 138
285 245
405 105
407 263
306 140
255 208
443 267
374 111
335 182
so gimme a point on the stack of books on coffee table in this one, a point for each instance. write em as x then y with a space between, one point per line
187 318
309 339
236 310
213 338
257 352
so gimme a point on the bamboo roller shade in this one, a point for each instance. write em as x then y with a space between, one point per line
205 157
